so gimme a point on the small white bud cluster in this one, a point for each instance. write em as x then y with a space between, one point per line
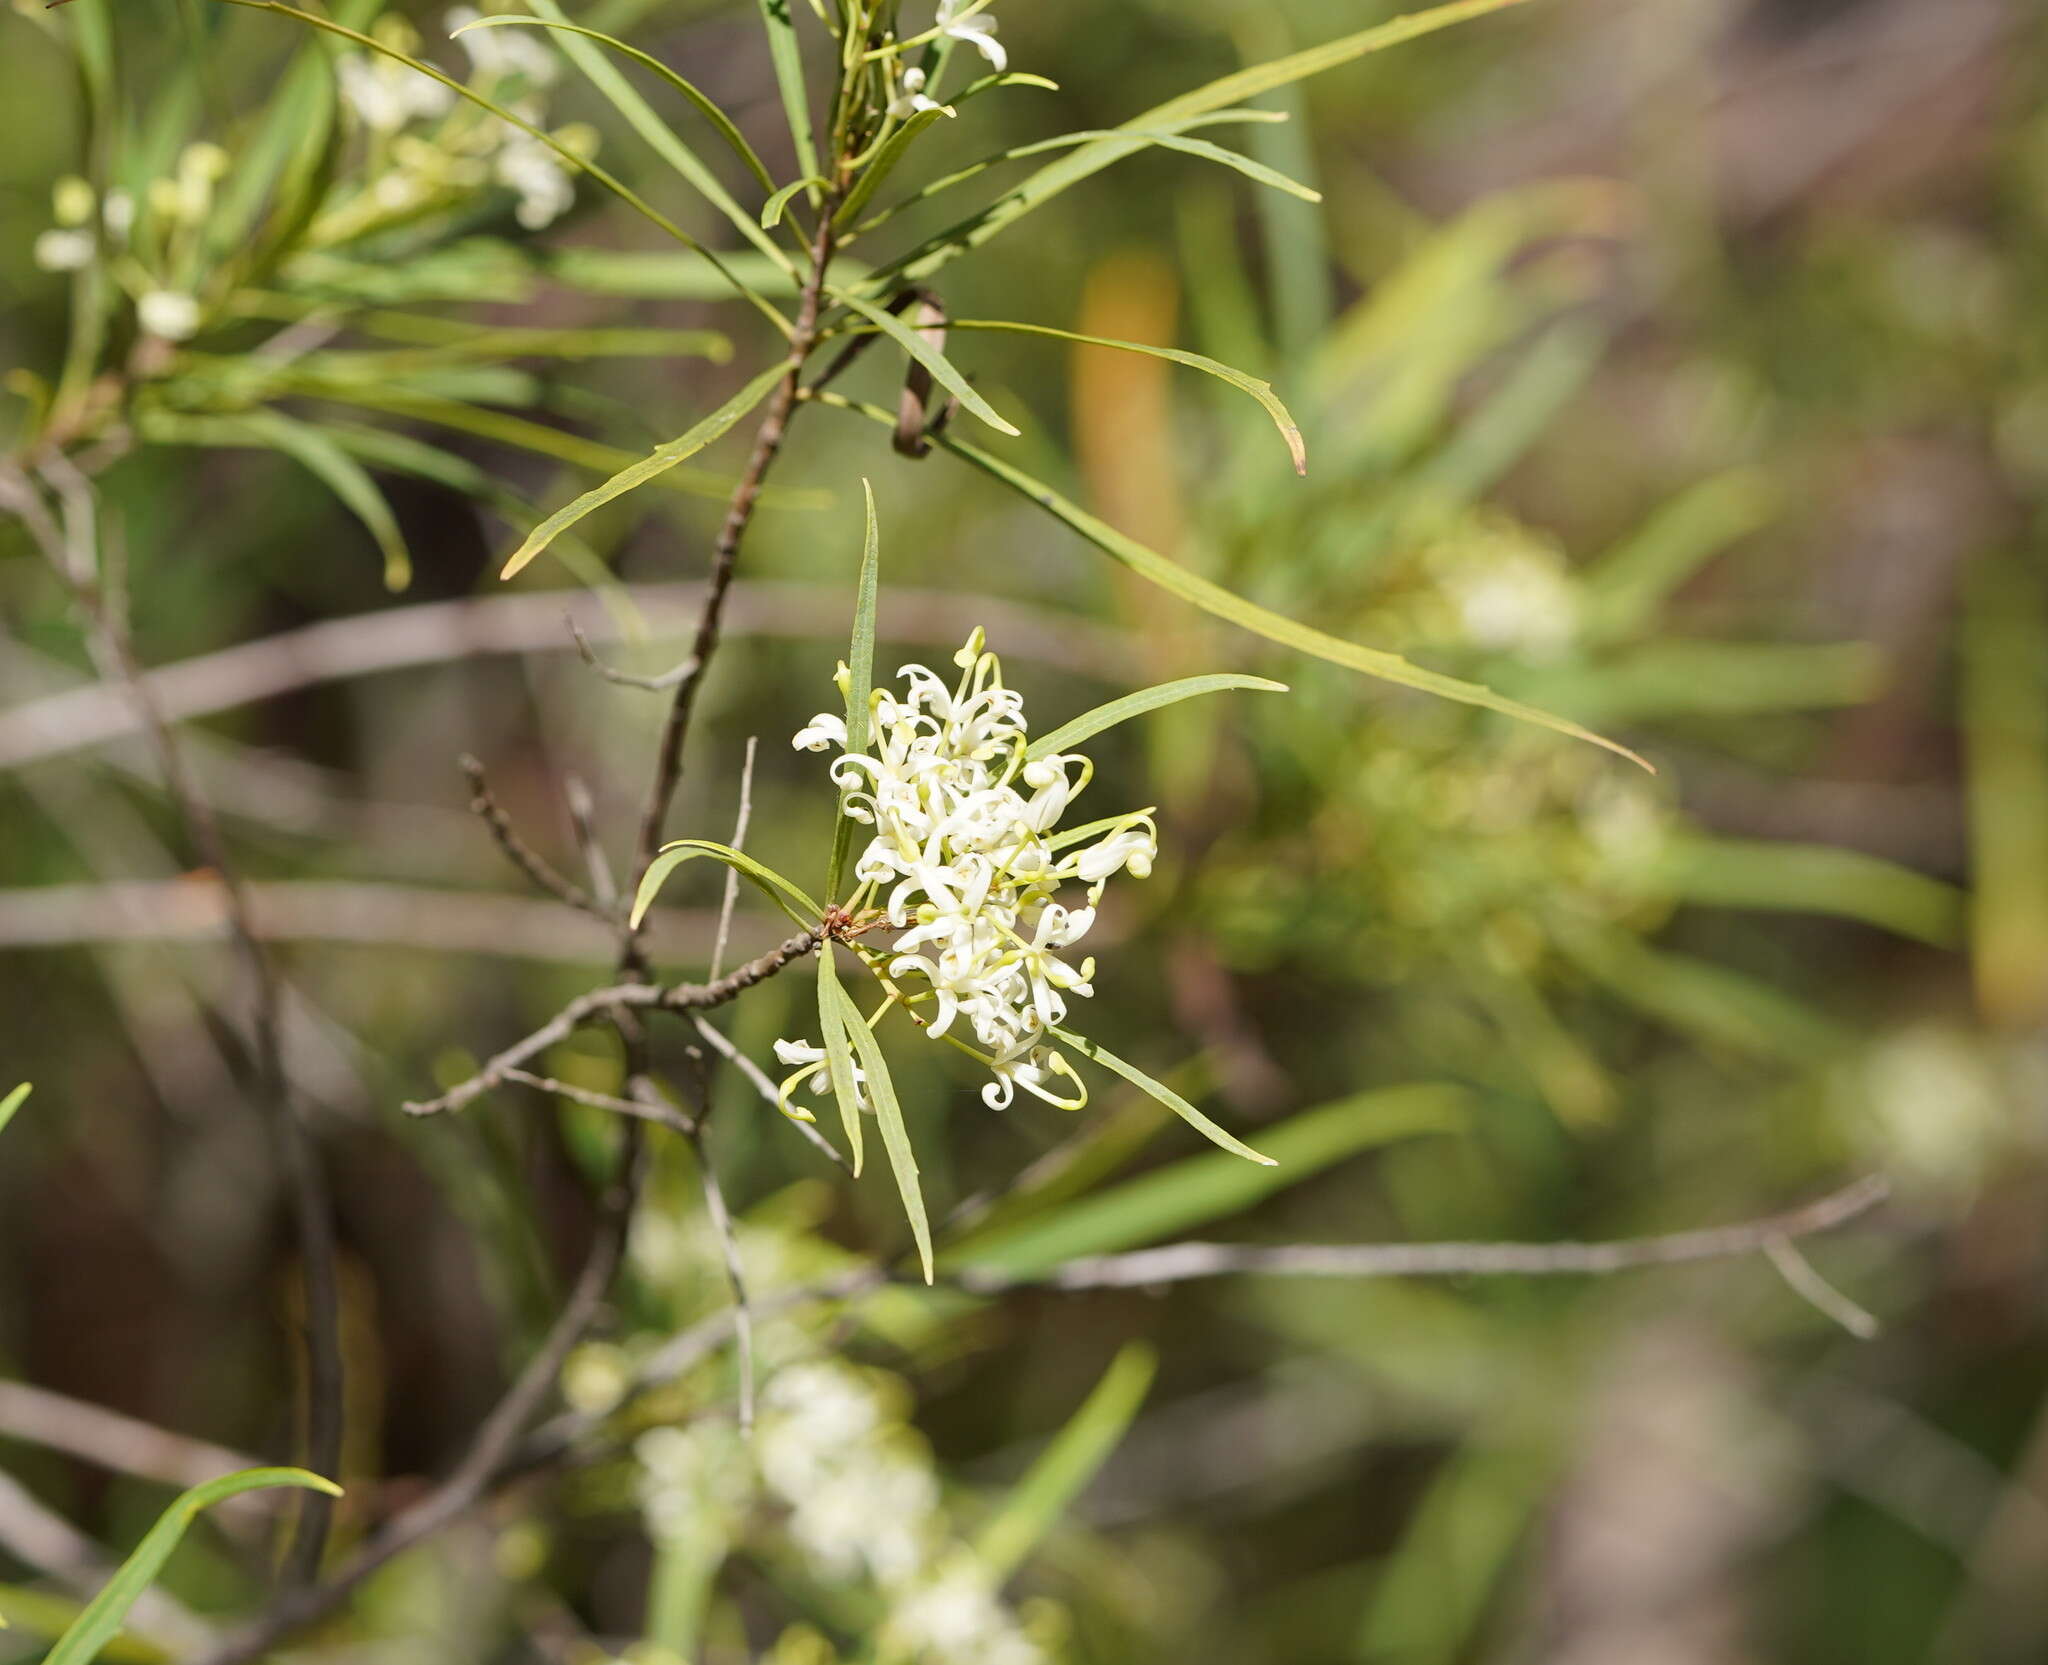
179 205
968 865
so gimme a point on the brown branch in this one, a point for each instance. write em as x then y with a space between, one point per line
600 1004
74 558
661 1113
1180 1262
485 806
583 823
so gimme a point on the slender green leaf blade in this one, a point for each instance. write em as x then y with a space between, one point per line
895 1136
658 462
104 1614
1200 1189
1814 878
942 368
772 209
838 1047
860 678
1100 1054
13 1102
787 57
1091 723
1063 1470
785 894
893 151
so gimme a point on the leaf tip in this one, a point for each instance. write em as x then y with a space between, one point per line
517 563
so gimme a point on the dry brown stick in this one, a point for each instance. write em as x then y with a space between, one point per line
583 823
600 1004
1180 1262
484 804
113 1441
73 556
661 1113
739 515
487 1453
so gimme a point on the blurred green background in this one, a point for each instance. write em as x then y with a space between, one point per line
1681 367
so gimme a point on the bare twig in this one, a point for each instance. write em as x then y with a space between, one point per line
517 851
658 684
661 1113
735 1271
73 556
738 842
440 632
1180 1262
600 1004
1806 1282
113 1441
583 823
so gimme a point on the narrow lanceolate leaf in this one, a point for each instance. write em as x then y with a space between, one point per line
884 164
13 1102
895 1137
789 80
860 678
102 1619
942 369
719 120
772 210
785 894
1198 1190
318 453
1136 705
1065 1466
1290 430
660 461
1099 1054
838 1045
1213 598
567 157
1070 170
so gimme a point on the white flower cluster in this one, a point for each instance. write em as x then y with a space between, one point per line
858 1499
177 207
959 20
966 864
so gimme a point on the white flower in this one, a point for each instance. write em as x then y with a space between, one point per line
386 94
118 212
912 99
814 1073
954 1616
965 863
496 53
542 183
169 314
977 30
64 251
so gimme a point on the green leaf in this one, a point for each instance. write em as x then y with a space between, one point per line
317 452
1627 585
1232 89
1136 705
644 120
13 1102
660 461
895 1137
671 856
1163 1093
1200 1189
561 152
787 57
1290 430
1213 598
1064 1468
667 275
103 1616
1814 878
913 342
1671 676
893 150
772 209
860 679
838 1052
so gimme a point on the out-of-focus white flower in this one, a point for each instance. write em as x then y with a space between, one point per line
976 28
64 251
1516 599
118 214
497 53
168 314
910 99
386 94
968 867
541 182
696 1482
953 1615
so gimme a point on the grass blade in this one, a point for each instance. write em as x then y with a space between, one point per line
1164 1094
1136 705
839 1053
659 461
913 342
860 679
895 1137
1069 1462
671 856
13 1102
103 1616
